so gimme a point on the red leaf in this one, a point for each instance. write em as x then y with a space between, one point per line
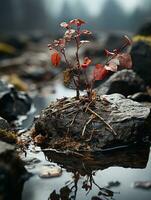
77 22
68 34
64 25
55 59
125 60
99 72
86 62
62 42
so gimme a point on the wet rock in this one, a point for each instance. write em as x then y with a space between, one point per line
143 184
50 171
96 127
3 124
12 102
12 173
140 97
141 53
125 82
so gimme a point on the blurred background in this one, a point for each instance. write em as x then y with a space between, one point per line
43 16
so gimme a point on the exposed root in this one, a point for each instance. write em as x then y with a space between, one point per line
101 118
68 105
72 122
84 128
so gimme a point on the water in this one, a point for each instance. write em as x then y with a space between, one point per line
126 166
84 178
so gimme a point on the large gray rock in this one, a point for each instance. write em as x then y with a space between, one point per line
12 173
129 120
125 82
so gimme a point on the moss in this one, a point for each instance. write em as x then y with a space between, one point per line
146 39
8 136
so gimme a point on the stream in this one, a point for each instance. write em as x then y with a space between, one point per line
84 179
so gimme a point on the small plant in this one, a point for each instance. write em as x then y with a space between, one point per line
76 69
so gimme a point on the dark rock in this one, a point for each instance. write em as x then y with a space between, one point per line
145 30
125 82
12 102
12 173
3 124
129 120
141 54
140 97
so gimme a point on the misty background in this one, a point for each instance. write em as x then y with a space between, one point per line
44 15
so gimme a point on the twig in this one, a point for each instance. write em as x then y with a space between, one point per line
89 105
68 105
101 118
72 122
84 128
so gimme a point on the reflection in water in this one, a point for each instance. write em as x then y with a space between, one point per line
69 191
85 165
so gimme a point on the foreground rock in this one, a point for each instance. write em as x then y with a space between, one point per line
12 173
125 82
110 120
12 102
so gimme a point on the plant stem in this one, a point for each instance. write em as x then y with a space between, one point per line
78 66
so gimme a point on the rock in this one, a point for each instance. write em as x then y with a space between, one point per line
112 120
12 173
50 171
3 124
125 82
141 53
12 102
140 97
143 184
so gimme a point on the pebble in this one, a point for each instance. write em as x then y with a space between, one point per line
50 171
142 184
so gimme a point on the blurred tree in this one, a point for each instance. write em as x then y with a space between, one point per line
35 15
6 15
112 16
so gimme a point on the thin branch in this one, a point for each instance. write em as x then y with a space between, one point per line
101 118
84 128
